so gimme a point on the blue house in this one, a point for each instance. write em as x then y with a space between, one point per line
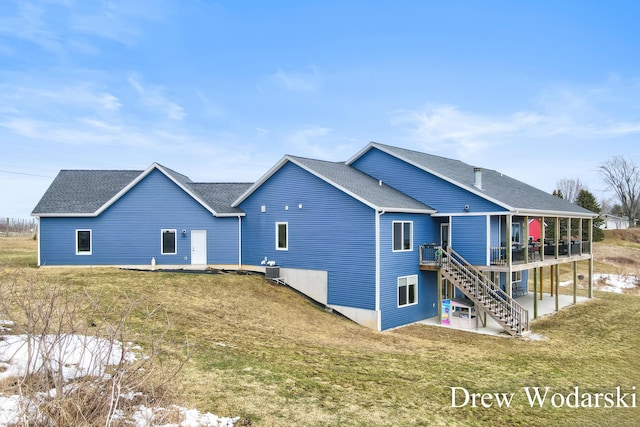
138 218
383 238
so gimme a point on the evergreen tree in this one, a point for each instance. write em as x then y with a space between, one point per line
587 200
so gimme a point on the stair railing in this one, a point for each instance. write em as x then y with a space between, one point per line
487 293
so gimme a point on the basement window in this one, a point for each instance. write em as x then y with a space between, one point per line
83 242
169 242
402 236
282 236
407 290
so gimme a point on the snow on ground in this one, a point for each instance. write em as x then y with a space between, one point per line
75 356
616 282
612 282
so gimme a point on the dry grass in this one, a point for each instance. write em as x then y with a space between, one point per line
266 354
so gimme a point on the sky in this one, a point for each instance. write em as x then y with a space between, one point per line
222 90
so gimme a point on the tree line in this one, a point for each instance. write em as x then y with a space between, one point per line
620 175
12 226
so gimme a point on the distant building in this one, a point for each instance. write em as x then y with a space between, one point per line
612 222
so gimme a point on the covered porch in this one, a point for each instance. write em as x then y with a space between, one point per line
524 239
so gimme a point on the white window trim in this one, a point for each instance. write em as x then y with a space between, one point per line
175 243
402 237
286 224
90 251
516 277
411 279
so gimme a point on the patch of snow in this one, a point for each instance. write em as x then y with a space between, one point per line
76 356
73 356
534 337
616 282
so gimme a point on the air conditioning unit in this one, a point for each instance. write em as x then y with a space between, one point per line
272 272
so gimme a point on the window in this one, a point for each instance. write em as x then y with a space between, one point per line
516 276
169 242
282 236
83 242
402 236
515 233
407 290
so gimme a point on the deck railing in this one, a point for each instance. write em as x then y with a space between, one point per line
498 254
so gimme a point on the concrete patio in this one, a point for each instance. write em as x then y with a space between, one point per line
546 307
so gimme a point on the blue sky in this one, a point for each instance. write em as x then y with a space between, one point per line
220 91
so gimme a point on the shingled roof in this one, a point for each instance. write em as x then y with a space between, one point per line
88 192
353 182
508 192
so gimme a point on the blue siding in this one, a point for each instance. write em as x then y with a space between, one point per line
398 264
331 232
423 186
469 237
128 232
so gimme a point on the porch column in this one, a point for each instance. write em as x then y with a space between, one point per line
557 229
580 231
535 291
551 278
591 258
525 233
507 285
542 237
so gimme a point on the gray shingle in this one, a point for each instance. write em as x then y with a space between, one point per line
495 185
219 196
362 185
83 191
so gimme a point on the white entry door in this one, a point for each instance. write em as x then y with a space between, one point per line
199 247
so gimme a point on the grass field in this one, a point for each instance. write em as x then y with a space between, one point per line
266 354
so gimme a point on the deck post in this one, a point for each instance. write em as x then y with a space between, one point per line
541 284
557 287
439 297
551 278
575 282
591 258
535 291
507 285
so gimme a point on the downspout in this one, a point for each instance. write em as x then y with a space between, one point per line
239 242
378 215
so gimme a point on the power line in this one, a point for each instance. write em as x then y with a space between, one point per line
27 174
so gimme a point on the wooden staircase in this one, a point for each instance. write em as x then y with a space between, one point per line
486 295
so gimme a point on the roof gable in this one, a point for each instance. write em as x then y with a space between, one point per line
90 192
351 181
513 195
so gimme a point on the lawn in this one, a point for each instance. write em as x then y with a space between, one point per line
264 353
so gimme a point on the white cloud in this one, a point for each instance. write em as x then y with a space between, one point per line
587 114
153 96
297 81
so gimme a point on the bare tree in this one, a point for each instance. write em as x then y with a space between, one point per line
570 188
623 177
